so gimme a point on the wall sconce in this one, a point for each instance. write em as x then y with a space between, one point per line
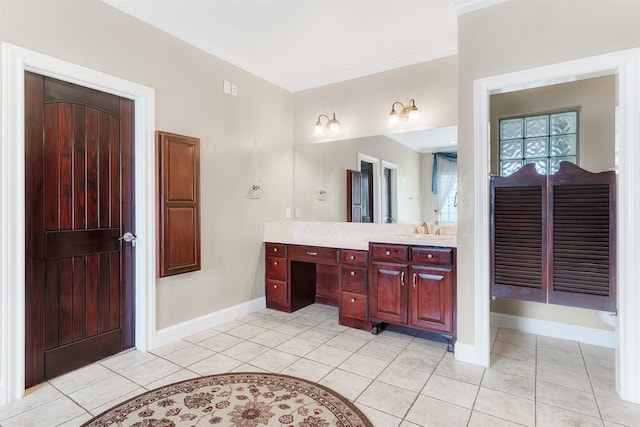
332 124
410 112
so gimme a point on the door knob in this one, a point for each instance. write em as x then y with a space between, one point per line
129 238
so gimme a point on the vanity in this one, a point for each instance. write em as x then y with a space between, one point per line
377 276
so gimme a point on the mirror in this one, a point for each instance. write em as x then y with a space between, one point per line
320 177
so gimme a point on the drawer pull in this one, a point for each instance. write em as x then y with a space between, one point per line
402 278
353 300
353 273
275 262
352 257
312 253
275 286
414 279
275 249
430 256
388 253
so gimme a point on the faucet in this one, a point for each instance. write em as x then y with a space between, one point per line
425 227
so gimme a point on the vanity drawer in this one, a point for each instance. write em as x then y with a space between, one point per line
276 295
381 252
430 256
279 249
354 279
353 257
276 268
353 305
313 253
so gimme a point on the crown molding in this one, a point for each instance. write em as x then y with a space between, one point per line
466 6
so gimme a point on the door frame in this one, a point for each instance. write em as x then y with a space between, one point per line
626 65
15 61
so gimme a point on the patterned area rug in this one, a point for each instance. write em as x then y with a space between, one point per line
239 400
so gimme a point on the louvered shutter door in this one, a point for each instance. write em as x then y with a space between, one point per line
582 241
518 235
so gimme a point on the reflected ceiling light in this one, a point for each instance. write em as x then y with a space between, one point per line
410 112
332 124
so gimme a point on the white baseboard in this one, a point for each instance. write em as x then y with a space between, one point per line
548 328
190 327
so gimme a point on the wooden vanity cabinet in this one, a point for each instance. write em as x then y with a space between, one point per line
413 286
354 298
276 289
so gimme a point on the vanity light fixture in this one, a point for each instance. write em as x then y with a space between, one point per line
410 112
332 124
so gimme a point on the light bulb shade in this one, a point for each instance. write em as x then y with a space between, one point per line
318 130
414 113
393 117
333 124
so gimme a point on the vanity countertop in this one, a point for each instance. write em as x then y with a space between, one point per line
346 235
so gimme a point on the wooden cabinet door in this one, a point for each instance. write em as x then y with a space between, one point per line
277 295
388 298
431 298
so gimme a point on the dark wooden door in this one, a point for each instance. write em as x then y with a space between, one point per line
431 298
79 281
354 196
388 299
367 191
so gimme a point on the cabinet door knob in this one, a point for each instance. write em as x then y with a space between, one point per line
414 279
275 262
275 286
353 273
388 253
402 278
430 256
353 300
352 257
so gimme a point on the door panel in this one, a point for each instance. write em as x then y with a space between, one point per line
389 299
78 167
431 298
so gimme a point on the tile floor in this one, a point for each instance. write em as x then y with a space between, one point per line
397 380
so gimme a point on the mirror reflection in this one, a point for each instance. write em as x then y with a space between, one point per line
394 171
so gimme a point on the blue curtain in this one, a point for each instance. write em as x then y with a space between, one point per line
451 157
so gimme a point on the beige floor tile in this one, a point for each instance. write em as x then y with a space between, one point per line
460 371
379 418
181 375
427 411
318 335
82 378
202 335
558 345
298 346
333 325
515 351
348 384
246 331
268 322
433 348
307 369
604 387
270 338
35 396
418 360
328 355
387 398
127 360
552 416
188 355
348 342
274 360
452 391
292 328
245 351
220 342
178 345
406 423
574 362
509 365
610 424
380 351
366 366
556 375
600 366
619 411
311 319
77 421
253 317
394 338
478 419
56 412
512 336
104 391
359 333
227 326
150 371
404 376
110 404
216 364
568 398
509 383
506 406
247 367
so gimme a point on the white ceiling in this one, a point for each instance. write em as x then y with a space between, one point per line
302 44
428 140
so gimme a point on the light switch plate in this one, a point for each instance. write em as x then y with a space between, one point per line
226 87
234 90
